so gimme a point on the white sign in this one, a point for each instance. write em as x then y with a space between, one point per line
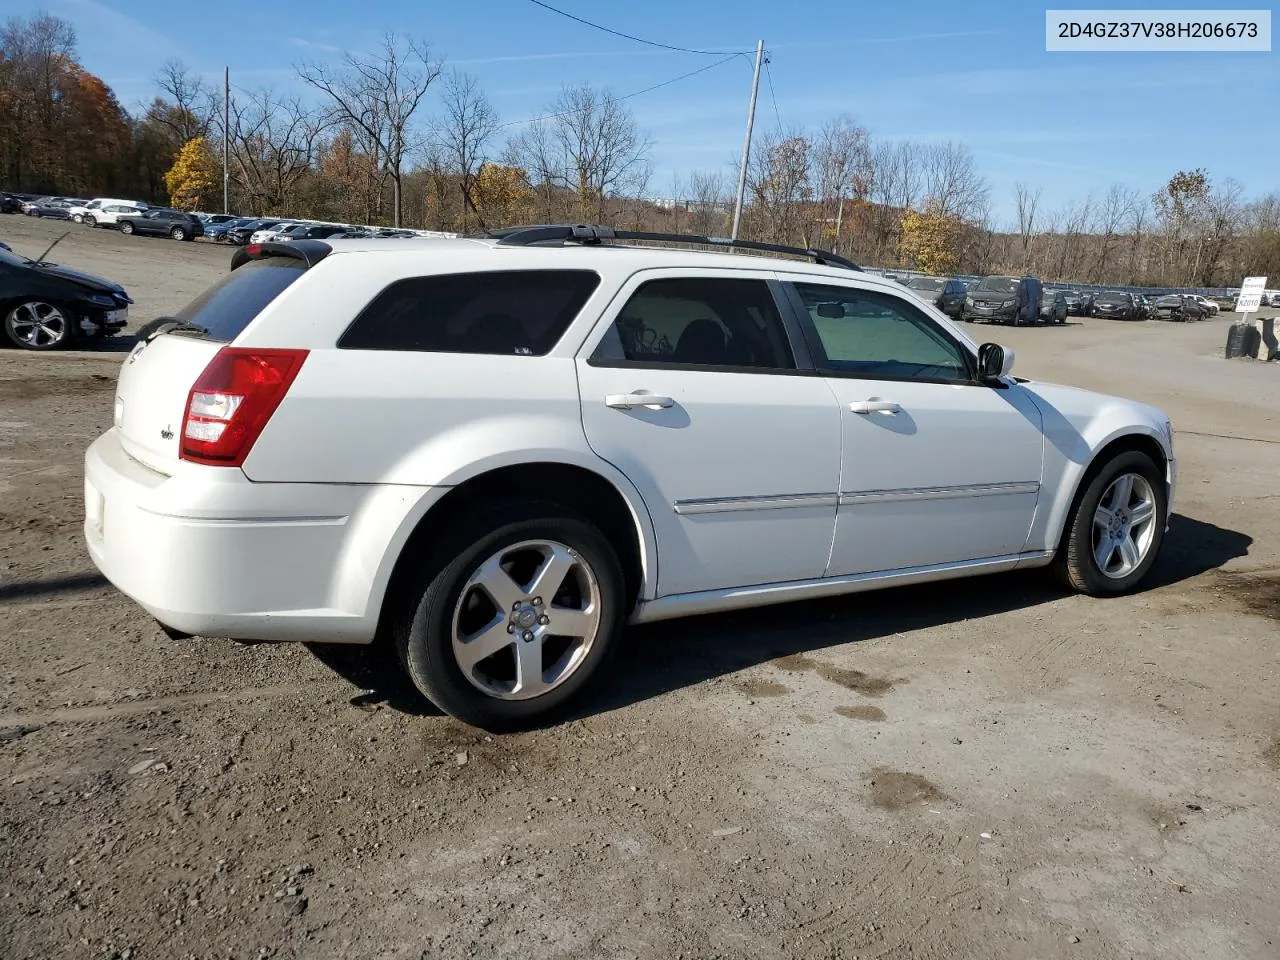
1250 298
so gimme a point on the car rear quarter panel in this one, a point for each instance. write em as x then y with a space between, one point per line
1078 424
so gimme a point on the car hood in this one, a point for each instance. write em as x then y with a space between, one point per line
86 280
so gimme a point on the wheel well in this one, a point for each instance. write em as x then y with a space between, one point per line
1137 442
574 488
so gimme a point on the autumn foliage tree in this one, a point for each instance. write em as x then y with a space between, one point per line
193 176
931 240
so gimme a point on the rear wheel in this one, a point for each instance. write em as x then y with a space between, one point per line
37 325
1117 528
178 233
515 611
126 227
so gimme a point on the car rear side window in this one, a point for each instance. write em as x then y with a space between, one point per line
698 321
228 306
510 312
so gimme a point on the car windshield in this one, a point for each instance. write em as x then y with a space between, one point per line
997 285
1113 295
932 284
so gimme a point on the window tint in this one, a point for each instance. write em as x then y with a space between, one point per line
520 312
227 307
877 335
705 321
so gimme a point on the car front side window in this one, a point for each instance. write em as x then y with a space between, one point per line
876 335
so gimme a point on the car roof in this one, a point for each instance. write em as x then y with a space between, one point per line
576 256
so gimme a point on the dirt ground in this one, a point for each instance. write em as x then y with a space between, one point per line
984 768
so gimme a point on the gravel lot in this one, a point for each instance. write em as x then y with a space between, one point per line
982 768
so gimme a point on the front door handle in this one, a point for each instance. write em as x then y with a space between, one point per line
629 401
875 405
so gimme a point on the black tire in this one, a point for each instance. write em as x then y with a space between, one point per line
90 220
422 627
126 228
178 233
1075 563
15 315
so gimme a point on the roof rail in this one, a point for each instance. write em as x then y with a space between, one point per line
549 233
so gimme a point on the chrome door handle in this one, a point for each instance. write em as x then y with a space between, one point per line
875 405
629 401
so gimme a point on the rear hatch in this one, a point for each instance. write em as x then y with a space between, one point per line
157 376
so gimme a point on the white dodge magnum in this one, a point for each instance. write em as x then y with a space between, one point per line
499 451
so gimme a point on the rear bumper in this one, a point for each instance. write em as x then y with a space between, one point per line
211 553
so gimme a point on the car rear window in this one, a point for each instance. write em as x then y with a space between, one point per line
226 308
517 312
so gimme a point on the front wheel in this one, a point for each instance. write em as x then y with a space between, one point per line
36 325
516 611
90 220
126 228
1112 538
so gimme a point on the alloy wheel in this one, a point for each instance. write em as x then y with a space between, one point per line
1124 525
36 325
526 620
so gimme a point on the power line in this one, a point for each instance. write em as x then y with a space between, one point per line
628 96
627 36
772 96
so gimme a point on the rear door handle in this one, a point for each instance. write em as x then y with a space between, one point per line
875 405
629 401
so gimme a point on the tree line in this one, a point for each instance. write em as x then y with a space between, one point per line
395 136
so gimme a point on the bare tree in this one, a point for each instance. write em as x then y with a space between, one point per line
841 159
466 131
1116 209
379 94
190 106
591 145
1028 202
779 185
535 151
1222 215
708 197
952 181
273 143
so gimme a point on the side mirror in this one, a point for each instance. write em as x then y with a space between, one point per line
994 361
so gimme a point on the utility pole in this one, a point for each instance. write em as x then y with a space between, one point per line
226 139
746 143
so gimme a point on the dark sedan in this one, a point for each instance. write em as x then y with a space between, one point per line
1179 307
45 306
54 208
1053 306
947 295
240 235
163 222
1079 304
10 204
1114 305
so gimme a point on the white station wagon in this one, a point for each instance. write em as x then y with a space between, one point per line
500 451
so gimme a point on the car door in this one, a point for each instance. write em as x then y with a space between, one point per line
936 467
697 387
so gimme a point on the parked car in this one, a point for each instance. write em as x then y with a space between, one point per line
219 231
307 231
45 306
1115 305
1143 306
53 208
276 230
1053 306
10 204
106 212
85 211
1179 307
1013 300
213 219
293 435
1079 304
162 222
944 293
240 235
1211 308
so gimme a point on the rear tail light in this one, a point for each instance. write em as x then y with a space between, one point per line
232 400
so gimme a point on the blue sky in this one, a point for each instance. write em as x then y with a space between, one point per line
929 70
